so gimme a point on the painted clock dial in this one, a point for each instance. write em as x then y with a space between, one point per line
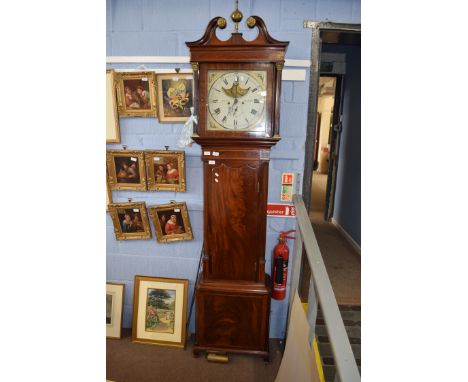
236 100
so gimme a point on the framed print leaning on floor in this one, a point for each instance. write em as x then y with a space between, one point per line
159 310
114 309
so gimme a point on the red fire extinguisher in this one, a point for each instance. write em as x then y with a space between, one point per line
280 266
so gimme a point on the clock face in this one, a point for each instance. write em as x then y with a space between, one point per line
236 100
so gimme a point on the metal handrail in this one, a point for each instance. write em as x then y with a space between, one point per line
320 289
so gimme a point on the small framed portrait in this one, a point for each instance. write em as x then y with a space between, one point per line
165 170
126 170
114 309
171 222
112 115
136 94
175 97
159 311
130 221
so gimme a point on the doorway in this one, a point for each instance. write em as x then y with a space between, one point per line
323 136
331 187
328 49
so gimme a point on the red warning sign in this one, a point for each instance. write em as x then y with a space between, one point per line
279 209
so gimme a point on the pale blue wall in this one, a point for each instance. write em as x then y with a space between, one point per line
138 27
347 211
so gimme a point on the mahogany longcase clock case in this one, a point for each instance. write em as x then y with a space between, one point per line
237 87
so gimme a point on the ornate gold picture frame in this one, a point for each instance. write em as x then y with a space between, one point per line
130 221
126 170
108 193
136 94
171 222
165 170
112 114
159 311
175 96
114 309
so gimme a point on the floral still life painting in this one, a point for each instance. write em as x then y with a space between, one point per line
175 97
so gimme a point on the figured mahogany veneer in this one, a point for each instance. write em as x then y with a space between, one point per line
233 294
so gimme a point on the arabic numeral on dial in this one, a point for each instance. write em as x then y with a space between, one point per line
224 119
218 110
225 81
254 90
253 111
214 101
235 123
255 100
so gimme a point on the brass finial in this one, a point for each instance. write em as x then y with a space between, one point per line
236 16
221 23
251 22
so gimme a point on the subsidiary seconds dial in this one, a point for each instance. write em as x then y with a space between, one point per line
236 100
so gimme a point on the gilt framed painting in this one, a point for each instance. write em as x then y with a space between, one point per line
126 170
114 309
159 311
130 221
136 94
165 170
171 222
175 97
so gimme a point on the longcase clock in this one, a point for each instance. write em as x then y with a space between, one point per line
238 85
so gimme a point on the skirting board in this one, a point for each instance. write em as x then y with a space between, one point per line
347 236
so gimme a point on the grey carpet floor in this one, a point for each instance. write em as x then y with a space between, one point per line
342 261
133 362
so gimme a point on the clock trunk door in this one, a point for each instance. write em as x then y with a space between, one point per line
234 224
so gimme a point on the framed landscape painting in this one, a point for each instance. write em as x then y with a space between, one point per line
130 221
171 222
175 97
114 309
136 94
126 170
165 170
159 311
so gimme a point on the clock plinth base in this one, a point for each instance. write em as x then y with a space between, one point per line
233 317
